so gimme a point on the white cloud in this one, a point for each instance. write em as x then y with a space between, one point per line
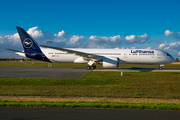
14 39
168 32
173 48
1 40
35 32
61 39
42 37
170 46
104 42
162 45
74 39
61 36
133 39
14 42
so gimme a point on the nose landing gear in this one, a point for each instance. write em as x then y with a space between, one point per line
160 66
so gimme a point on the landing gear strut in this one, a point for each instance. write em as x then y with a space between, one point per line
91 67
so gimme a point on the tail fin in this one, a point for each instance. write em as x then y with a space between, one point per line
27 41
31 47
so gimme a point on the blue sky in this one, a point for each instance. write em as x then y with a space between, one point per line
92 24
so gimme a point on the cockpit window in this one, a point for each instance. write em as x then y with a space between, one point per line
168 55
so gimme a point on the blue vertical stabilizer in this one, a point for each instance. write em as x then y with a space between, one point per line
31 46
27 41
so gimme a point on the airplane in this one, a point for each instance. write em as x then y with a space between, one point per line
109 58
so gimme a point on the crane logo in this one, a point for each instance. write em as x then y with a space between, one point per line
27 43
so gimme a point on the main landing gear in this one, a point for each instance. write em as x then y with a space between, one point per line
91 67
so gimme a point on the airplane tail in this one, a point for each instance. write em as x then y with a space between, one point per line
31 47
27 41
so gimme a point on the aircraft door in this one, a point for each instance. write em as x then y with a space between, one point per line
159 55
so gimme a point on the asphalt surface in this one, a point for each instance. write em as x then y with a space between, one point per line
20 113
41 72
63 72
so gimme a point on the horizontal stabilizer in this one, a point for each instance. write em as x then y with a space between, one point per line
19 51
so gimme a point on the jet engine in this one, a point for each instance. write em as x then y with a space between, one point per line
110 62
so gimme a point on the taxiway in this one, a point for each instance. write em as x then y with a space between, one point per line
63 72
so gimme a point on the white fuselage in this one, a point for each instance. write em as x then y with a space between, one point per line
126 56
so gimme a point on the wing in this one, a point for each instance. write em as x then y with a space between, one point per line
86 56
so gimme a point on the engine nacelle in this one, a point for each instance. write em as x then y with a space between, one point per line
20 54
110 62
80 60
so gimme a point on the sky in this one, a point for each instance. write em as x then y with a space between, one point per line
124 24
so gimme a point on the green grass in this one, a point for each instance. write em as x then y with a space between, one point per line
98 84
98 104
38 64
161 86
45 64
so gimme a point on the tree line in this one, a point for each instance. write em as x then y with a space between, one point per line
16 59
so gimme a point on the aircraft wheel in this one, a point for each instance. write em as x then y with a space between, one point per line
92 67
160 68
88 67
